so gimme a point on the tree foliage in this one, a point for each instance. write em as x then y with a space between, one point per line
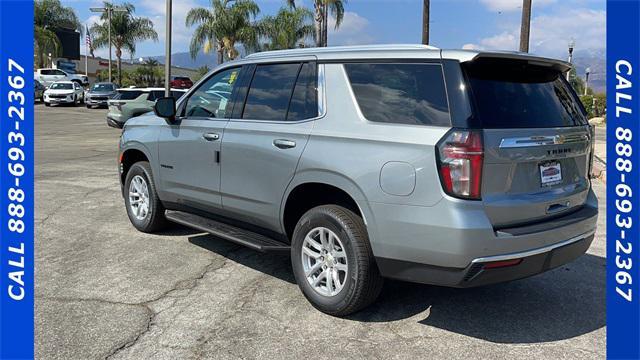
288 29
49 16
126 31
221 26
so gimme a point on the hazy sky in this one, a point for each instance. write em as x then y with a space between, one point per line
488 24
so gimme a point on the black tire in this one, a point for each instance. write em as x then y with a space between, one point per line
154 219
363 282
89 106
47 104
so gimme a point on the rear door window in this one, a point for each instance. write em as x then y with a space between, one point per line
129 95
155 95
304 101
270 92
400 93
177 94
515 94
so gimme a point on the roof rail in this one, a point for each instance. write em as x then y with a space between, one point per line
338 49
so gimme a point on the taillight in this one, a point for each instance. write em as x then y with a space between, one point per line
460 155
592 148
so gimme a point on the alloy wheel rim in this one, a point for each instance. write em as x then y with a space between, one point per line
324 261
139 197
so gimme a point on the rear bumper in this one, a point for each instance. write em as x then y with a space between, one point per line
442 244
530 263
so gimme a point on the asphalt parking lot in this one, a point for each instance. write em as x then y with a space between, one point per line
104 290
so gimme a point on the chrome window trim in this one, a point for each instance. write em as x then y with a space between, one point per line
322 108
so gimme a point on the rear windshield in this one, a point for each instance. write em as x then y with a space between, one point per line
128 94
515 94
181 78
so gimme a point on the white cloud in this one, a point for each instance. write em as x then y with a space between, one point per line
551 33
155 10
354 30
470 47
511 5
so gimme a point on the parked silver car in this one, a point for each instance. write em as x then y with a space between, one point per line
100 93
447 167
130 102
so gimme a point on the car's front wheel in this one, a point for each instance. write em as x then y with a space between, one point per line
144 208
332 261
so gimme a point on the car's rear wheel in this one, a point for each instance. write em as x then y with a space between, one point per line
144 208
332 261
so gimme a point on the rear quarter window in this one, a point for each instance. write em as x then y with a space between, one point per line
400 93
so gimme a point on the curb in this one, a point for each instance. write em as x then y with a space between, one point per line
599 170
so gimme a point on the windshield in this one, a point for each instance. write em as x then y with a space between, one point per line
516 94
103 87
62 86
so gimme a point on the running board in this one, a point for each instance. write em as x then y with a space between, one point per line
228 232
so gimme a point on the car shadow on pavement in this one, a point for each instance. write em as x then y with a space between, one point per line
275 264
563 303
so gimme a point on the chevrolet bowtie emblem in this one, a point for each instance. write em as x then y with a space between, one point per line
559 139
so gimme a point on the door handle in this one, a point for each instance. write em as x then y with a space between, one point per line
211 136
284 144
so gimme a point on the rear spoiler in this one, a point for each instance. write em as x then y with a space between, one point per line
471 55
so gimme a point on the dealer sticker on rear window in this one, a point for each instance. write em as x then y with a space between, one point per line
550 173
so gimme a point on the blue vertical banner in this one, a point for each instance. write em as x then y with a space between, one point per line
623 180
16 179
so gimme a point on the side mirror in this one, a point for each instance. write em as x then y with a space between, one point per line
165 108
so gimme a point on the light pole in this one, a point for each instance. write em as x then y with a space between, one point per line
587 71
109 9
572 44
167 53
525 26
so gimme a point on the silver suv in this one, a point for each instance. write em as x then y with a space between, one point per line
446 167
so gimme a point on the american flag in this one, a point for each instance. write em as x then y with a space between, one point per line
88 38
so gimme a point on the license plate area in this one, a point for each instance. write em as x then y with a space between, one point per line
550 173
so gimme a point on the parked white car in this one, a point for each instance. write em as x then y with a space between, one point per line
48 76
64 92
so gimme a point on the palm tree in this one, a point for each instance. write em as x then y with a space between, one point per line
321 17
425 21
50 15
287 29
221 26
201 72
149 70
126 31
